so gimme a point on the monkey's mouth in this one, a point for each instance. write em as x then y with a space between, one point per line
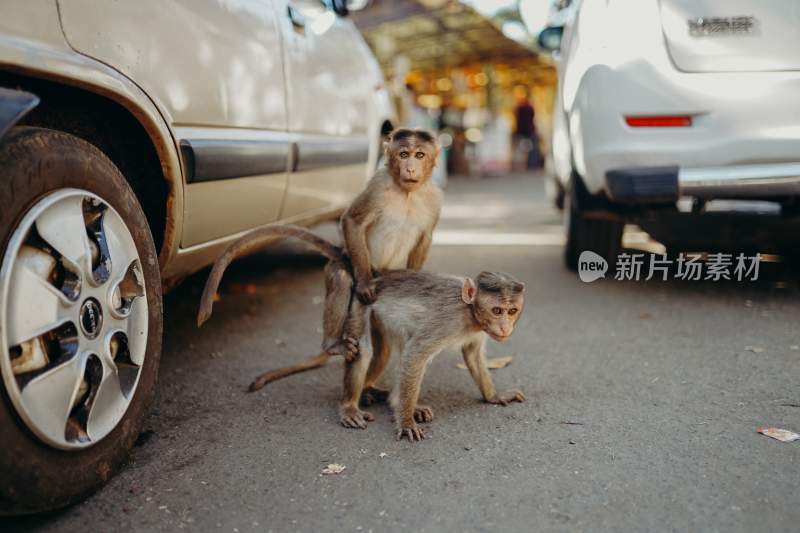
499 338
411 180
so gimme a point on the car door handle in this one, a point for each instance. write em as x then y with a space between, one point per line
297 18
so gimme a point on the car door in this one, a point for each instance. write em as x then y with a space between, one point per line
331 79
215 70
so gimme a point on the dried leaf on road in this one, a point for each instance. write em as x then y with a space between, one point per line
333 468
783 435
493 362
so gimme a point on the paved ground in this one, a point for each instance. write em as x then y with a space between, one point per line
643 403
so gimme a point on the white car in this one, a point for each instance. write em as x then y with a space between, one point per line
138 139
663 108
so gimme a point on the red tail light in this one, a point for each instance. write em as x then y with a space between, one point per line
666 121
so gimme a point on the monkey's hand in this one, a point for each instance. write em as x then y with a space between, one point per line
351 348
365 290
505 398
411 431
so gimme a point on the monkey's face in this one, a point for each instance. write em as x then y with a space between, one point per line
410 159
498 315
497 300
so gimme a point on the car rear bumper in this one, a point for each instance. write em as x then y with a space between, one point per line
653 185
737 120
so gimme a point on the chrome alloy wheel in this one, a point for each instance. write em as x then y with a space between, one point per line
74 318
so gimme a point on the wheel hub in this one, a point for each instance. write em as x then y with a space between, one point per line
91 318
73 319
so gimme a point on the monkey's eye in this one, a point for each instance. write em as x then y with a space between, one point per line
419 155
497 311
403 155
512 311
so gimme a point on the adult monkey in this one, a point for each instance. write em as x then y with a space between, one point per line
387 227
416 316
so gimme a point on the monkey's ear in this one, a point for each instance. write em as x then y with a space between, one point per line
468 290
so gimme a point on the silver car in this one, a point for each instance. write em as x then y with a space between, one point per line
137 139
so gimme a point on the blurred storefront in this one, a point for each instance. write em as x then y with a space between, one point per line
457 71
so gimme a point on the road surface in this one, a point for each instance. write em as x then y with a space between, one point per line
643 404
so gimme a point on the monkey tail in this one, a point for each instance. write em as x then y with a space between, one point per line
317 361
251 242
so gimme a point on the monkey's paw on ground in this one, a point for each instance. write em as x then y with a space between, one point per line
505 398
355 418
413 433
423 413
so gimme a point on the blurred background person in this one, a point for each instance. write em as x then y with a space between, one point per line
526 141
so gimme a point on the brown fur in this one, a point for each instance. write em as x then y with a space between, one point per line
388 226
417 315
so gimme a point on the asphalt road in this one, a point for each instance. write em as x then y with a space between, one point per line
643 404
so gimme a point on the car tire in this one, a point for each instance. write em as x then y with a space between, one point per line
584 232
56 174
554 192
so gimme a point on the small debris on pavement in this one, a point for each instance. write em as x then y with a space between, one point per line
794 347
280 342
382 455
783 435
754 349
333 468
493 362
570 423
645 316
316 300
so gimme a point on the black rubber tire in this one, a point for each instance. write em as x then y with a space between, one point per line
35 476
554 191
602 236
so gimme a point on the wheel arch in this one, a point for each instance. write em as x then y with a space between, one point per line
122 130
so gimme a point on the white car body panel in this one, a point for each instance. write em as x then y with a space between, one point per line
220 70
610 68
771 44
204 62
31 42
333 76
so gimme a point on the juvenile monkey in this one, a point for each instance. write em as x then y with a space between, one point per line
388 226
416 316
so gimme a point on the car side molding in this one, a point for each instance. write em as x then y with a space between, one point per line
14 105
212 154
